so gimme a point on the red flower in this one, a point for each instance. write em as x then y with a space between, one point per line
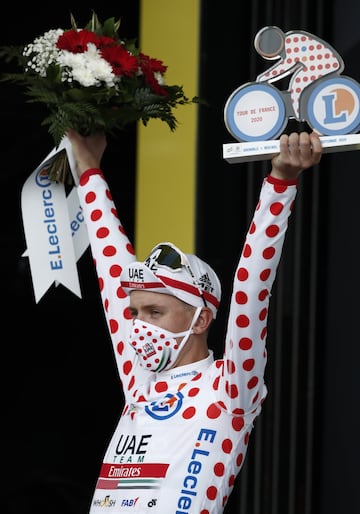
121 61
76 41
105 41
149 66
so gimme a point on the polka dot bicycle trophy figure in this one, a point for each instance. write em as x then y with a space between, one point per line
317 92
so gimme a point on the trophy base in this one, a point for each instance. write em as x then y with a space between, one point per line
264 150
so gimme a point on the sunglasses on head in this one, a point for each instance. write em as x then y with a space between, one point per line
167 256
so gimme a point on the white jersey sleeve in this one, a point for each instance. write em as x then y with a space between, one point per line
111 251
242 385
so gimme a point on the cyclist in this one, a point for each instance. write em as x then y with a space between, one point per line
184 430
304 55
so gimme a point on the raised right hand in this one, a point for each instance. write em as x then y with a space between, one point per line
87 150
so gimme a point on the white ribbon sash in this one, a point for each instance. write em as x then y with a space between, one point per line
54 227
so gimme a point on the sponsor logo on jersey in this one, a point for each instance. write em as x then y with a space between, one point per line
104 502
132 448
166 408
125 476
129 502
189 485
183 374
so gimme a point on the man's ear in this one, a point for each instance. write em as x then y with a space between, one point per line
204 320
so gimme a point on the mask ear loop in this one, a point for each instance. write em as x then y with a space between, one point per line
190 331
195 317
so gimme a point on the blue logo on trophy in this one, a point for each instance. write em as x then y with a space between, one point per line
317 94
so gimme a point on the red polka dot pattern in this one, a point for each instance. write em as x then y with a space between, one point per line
96 215
90 198
238 424
317 59
242 321
216 383
219 469
213 411
241 297
227 446
101 283
189 413
247 251
245 343
211 492
276 207
226 396
127 367
242 274
194 391
248 364
160 387
115 270
113 324
269 253
127 314
102 232
109 251
272 231
263 295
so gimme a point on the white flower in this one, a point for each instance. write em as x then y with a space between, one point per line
43 51
88 68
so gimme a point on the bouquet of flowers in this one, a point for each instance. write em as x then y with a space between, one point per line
92 80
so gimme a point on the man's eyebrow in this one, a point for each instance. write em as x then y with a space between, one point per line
147 306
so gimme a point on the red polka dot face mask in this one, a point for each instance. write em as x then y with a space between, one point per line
156 347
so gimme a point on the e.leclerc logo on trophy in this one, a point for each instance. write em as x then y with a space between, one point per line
257 113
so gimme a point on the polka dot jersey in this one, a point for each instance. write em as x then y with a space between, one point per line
183 434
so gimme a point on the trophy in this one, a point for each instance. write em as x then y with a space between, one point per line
318 95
